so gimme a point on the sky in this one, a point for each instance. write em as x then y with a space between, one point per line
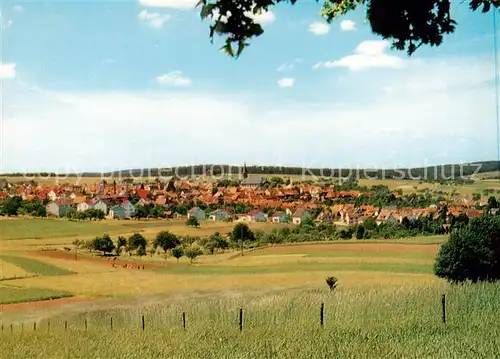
102 86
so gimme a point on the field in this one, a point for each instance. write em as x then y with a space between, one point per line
44 233
387 304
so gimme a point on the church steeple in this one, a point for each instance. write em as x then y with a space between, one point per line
245 172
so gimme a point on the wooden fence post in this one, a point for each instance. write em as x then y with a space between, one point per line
85 323
184 320
111 322
443 308
11 328
241 319
48 325
143 325
65 325
34 326
321 314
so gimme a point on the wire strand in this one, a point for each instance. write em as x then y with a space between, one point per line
495 49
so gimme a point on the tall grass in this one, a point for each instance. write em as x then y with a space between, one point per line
376 323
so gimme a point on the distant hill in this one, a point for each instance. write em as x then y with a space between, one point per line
439 172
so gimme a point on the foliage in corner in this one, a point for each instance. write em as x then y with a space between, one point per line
407 24
472 253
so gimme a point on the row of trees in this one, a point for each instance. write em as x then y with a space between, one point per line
15 205
89 214
472 252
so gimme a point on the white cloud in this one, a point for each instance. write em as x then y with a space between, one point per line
368 54
18 8
6 24
174 4
415 121
286 82
288 66
7 71
154 19
319 28
174 78
265 17
347 25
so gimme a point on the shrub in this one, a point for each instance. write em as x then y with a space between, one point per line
332 283
192 253
192 222
472 252
178 252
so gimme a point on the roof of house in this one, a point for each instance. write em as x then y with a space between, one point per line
299 212
253 181
278 214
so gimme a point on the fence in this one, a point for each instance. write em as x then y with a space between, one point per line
184 320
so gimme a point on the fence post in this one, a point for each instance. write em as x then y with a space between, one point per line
85 323
34 326
111 322
321 314
241 319
184 320
65 325
11 328
443 308
48 325
143 326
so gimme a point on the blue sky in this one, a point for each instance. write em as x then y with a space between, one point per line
112 85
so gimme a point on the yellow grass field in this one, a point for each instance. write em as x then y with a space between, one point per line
8 270
30 234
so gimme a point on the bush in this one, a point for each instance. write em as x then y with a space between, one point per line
332 283
472 252
178 252
192 222
192 253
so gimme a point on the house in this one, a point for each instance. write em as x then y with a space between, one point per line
300 215
197 213
253 182
52 195
102 205
220 215
325 217
58 208
256 215
279 217
84 206
122 211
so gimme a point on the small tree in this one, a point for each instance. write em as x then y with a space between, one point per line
103 244
141 251
360 232
135 241
192 253
122 243
178 252
166 240
192 222
332 283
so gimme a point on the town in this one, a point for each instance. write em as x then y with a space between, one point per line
249 198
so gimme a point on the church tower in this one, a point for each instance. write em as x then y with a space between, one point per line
244 172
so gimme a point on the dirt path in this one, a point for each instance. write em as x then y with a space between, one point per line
44 304
117 261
